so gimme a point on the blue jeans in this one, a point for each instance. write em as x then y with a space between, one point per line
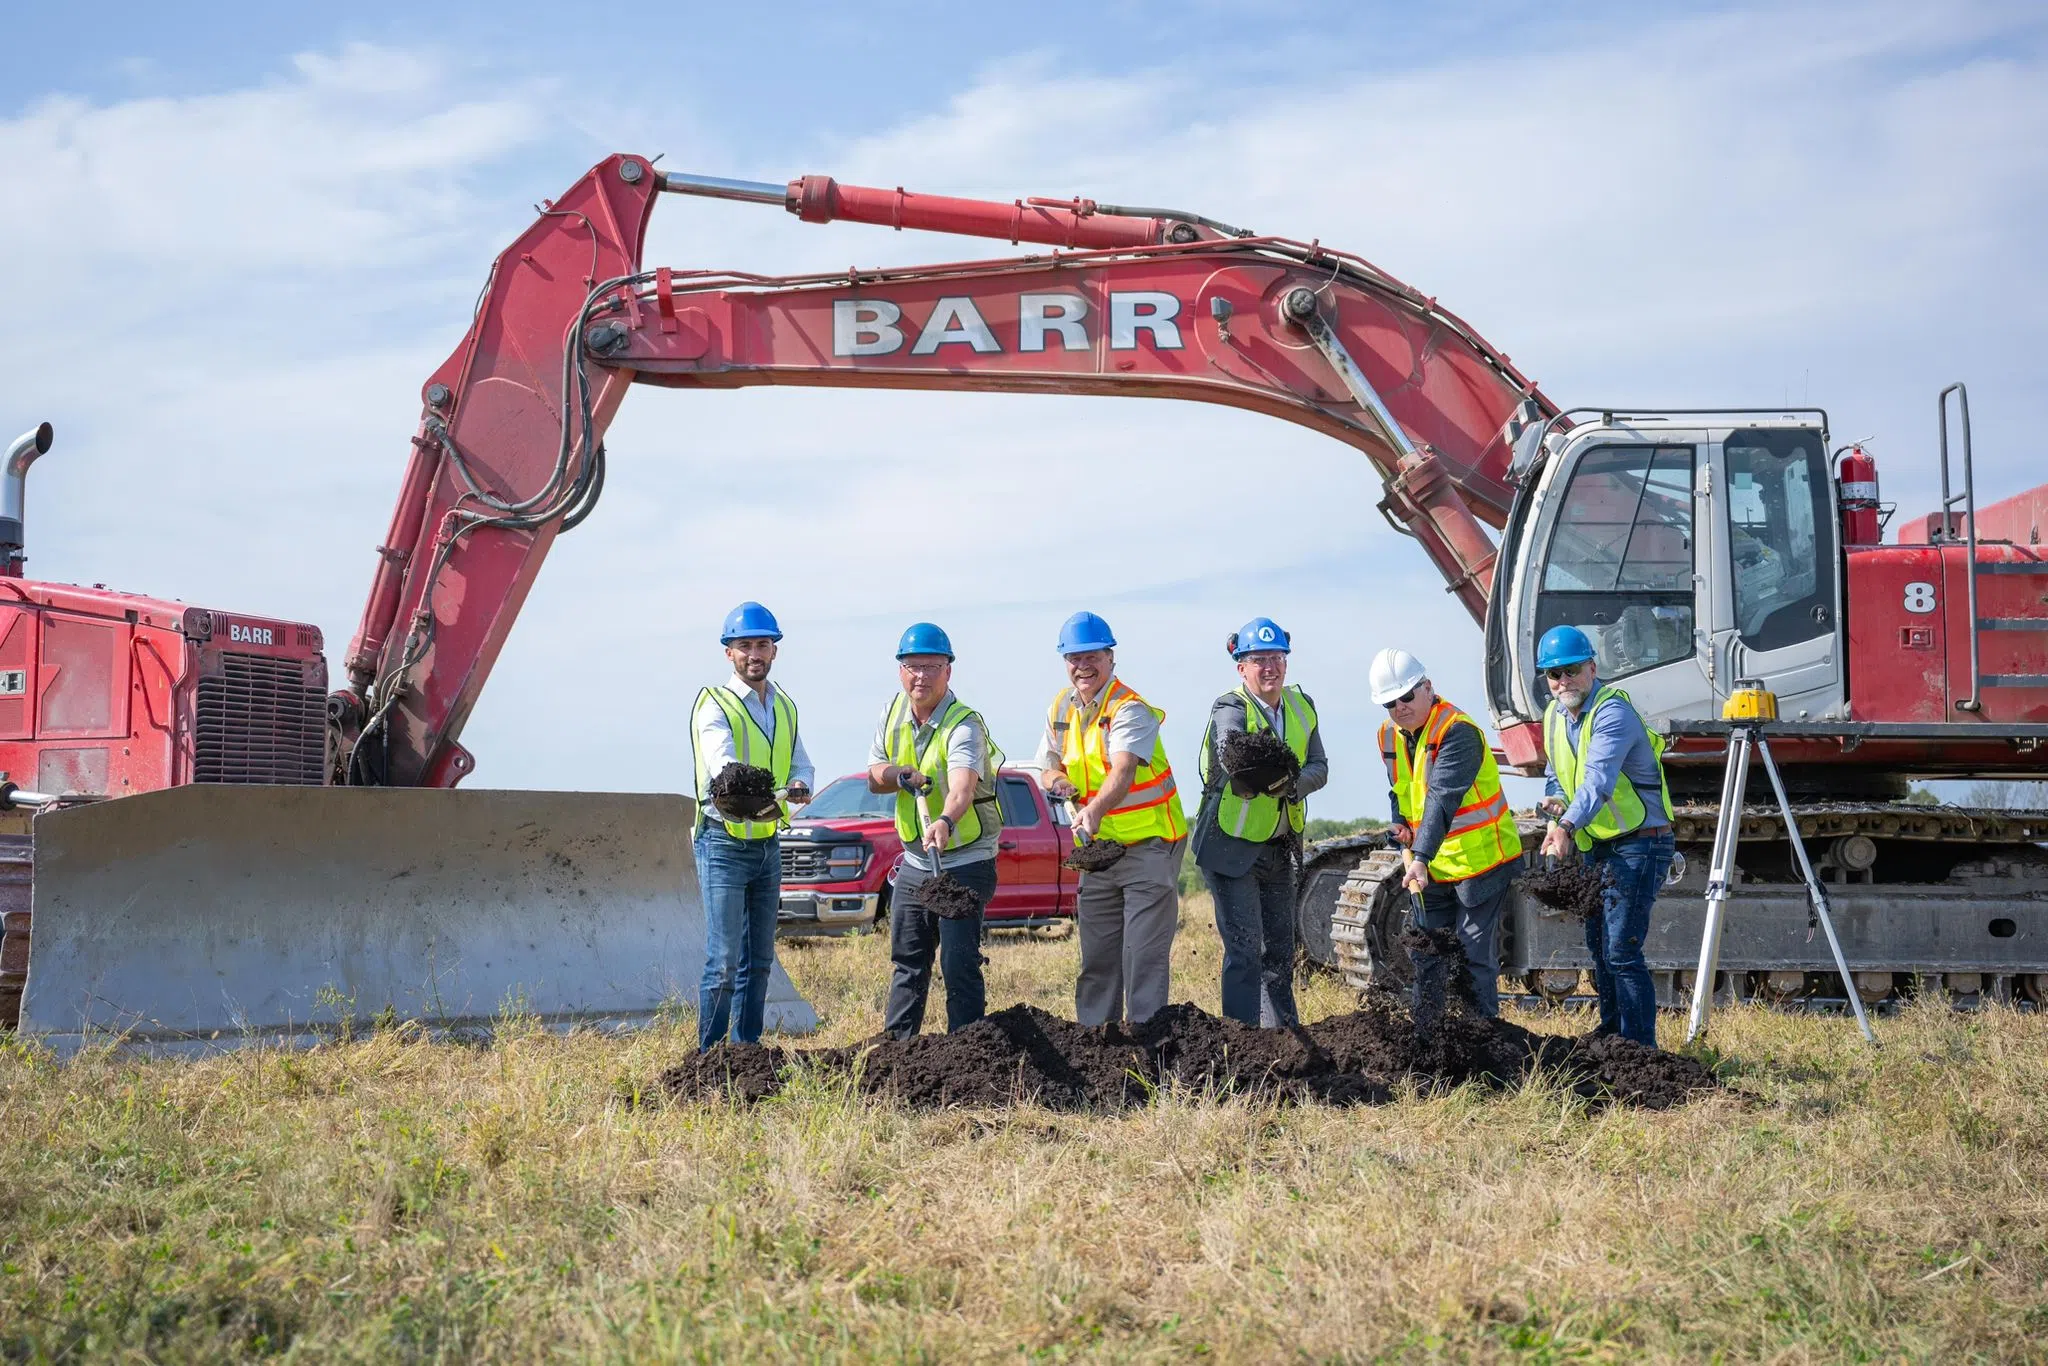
1634 867
742 885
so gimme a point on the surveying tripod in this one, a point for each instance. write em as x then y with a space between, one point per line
1750 707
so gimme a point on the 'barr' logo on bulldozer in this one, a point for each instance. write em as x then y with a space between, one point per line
877 327
250 635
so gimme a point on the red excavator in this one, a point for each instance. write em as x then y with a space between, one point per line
1695 548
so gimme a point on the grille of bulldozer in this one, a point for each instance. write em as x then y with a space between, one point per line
259 721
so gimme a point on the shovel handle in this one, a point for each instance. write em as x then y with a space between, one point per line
938 855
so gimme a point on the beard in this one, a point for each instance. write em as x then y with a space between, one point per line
1572 698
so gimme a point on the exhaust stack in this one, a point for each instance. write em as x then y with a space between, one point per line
14 495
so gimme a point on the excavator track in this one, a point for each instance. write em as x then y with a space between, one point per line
1368 918
1694 824
1927 898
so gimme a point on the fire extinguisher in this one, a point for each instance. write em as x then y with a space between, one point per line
1856 477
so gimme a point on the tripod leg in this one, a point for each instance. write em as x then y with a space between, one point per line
1720 873
1814 892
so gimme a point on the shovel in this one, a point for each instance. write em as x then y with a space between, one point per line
942 894
1092 855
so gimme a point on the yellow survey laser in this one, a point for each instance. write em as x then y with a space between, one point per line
1750 701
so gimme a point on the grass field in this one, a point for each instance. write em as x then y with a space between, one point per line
394 1199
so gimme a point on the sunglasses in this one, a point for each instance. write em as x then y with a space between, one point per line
1405 698
1563 671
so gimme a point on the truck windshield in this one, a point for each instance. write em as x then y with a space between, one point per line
844 798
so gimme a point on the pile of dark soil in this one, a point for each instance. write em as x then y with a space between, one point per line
1093 856
746 1072
1024 1055
1573 888
744 793
1440 975
1258 761
947 897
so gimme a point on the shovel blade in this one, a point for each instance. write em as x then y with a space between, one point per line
208 917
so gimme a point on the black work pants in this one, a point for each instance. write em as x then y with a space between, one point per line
1474 909
1255 919
916 935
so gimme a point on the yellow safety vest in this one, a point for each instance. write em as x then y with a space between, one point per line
752 748
1482 832
1256 818
902 749
1152 807
1624 810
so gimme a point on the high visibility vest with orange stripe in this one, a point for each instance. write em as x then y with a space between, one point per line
1482 832
1152 807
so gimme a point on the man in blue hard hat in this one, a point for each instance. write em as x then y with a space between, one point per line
1102 752
932 748
1606 794
1250 826
751 722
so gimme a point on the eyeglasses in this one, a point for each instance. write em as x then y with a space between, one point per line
923 670
1563 671
1405 698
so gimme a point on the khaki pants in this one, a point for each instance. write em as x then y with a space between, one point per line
1127 915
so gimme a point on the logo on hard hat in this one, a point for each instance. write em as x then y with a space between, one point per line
1266 633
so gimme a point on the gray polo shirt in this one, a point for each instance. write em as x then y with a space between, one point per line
1133 730
966 747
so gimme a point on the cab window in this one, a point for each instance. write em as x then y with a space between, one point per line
1780 537
1620 564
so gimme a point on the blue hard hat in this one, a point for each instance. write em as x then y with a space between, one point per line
1257 635
1084 631
1562 645
924 639
749 621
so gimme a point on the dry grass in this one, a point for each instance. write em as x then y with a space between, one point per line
393 1199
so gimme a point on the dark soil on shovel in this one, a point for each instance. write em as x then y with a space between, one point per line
1093 856
948 897
1259 759
1573 888
744 792
1023 1055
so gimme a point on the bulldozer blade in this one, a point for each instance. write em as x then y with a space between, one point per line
210 917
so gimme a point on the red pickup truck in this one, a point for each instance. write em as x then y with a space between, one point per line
840 853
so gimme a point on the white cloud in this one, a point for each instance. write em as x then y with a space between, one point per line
1731 209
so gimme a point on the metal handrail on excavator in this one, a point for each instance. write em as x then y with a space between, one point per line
1946 531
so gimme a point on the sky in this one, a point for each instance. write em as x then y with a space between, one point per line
236 246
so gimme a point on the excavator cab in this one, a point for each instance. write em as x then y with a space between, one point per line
1693 550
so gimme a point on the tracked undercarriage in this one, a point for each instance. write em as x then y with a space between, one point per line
1926 898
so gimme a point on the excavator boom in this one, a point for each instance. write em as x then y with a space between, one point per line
1137 302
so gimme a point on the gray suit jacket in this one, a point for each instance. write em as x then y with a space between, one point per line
1228 855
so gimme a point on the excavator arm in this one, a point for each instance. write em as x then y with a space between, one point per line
1138 302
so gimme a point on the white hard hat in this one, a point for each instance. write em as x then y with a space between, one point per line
1392 674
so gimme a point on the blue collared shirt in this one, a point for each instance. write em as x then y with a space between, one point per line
1620 746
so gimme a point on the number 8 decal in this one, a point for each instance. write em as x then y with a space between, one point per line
1919 597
